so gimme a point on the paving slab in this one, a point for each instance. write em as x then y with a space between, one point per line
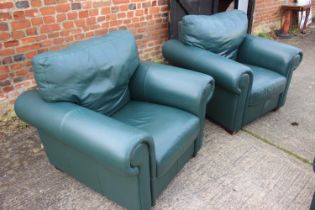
239 172
229 172
293 126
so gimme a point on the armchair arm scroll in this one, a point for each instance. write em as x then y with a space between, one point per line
227 73
269 54
107 140
172 86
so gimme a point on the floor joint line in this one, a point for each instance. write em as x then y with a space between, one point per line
267 141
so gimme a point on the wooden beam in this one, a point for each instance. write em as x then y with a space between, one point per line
250 14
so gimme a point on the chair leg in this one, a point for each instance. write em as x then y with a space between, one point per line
230 131
59 169
276 109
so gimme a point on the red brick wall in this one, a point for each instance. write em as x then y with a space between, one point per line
267 15
29 27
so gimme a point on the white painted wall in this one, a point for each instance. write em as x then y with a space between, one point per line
243 5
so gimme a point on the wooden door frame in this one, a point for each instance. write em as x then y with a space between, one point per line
250 13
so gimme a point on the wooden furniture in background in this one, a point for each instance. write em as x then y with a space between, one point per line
288 10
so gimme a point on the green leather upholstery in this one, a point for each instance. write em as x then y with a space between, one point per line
154 83
227 72
173 130
83 73
253 84
87 131
275 56
131 153
221 33
266 83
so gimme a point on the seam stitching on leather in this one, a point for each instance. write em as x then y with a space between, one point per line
144 83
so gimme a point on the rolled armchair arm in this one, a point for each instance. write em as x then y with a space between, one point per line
172 86
107 140
269 54
227 73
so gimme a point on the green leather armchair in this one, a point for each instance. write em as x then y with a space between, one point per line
252 74
121 127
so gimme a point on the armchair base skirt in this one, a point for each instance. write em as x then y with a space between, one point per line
161 182
126 190
130 191
255 111
226 109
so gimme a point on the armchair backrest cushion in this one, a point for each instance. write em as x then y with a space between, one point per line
221 33
93 73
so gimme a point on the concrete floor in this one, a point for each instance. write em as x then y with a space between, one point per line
230 172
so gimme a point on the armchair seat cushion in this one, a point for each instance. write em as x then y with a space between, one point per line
173 130
266 84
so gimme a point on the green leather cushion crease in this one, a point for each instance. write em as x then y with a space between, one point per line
93 73
221 33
